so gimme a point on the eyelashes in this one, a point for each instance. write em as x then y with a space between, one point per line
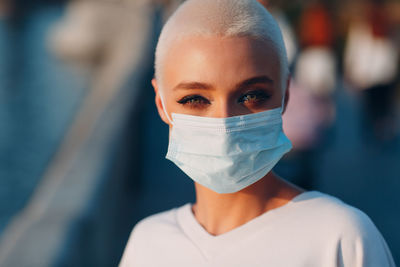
194 101
251 98
255 96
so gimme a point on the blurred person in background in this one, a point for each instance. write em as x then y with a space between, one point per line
311 111
288 35
221 84
370 67
315 69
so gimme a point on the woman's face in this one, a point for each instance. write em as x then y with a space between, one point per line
219 77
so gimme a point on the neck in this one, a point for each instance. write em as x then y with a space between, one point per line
220 213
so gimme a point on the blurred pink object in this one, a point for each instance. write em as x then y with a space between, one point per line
306 116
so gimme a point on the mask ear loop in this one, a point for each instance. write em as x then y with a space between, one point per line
165 109
283 97
283 102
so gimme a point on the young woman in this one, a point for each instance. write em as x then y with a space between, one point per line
221 85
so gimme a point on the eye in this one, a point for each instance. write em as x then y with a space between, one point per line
194 101
254 97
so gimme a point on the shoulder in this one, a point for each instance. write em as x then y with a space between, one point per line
355 237
149 234
333 211
157 225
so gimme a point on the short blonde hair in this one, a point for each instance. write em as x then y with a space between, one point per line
225 18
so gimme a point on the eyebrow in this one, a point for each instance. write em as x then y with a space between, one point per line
255 80
205 86
193 85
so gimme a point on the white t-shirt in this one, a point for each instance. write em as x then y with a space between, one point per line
313 229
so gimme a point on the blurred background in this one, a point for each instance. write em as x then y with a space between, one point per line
82 147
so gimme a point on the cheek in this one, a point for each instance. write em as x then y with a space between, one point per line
172 106
278 99
168 102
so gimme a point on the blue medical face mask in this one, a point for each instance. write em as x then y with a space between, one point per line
227 154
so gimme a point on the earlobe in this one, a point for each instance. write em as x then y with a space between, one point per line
158 102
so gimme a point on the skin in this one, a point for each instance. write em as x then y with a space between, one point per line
223 77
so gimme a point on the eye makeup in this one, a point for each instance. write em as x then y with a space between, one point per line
194 101
254 97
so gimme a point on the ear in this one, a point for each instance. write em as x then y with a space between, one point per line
287 93
159 104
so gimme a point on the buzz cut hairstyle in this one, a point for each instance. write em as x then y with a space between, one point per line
224 18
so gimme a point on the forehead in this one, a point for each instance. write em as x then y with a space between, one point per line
219 60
